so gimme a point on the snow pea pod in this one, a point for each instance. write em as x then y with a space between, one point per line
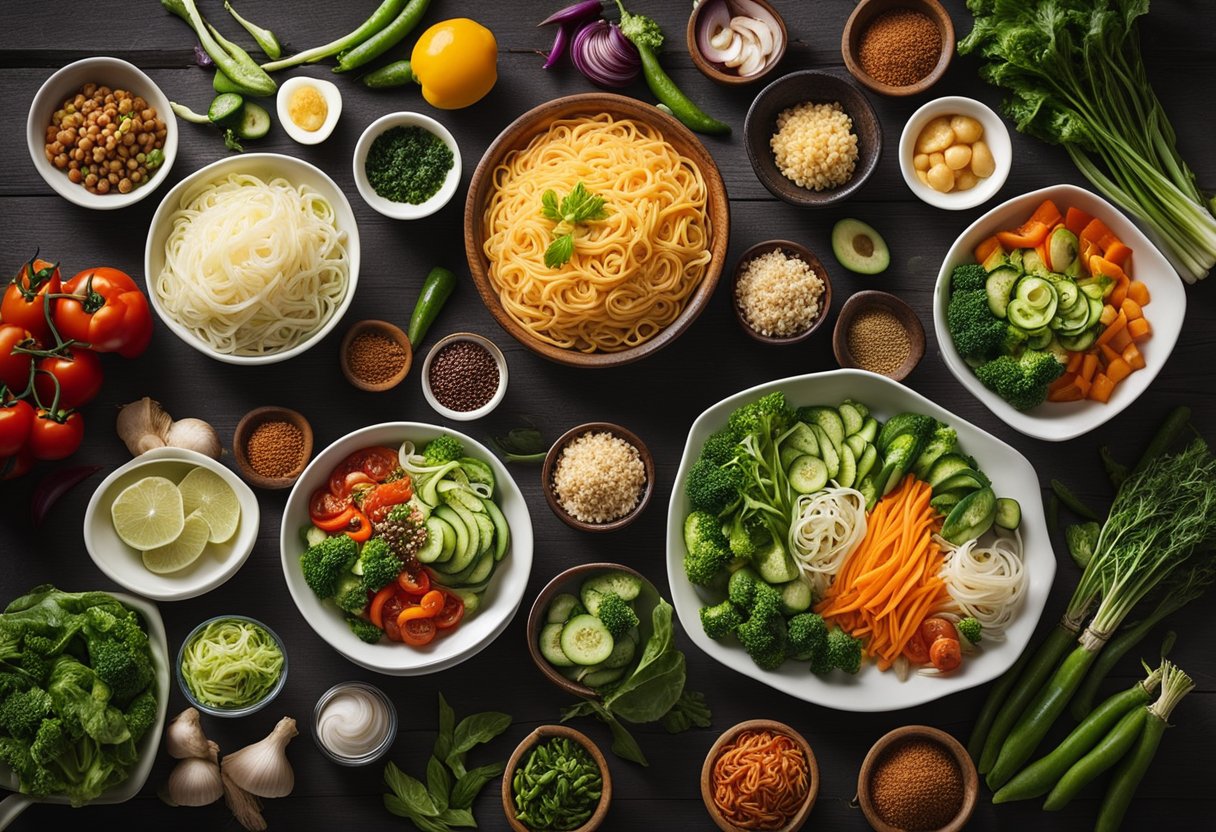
381 17
237 65
385 39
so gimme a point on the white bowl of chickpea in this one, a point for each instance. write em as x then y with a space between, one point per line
101 133
955 153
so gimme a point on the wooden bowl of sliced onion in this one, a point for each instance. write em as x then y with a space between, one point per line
736 42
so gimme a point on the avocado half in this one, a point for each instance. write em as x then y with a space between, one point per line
860 248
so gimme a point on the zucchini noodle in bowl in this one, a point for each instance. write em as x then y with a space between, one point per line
253 266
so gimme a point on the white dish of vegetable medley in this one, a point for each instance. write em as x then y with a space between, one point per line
845 540
406 547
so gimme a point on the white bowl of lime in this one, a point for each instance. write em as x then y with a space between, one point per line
171 524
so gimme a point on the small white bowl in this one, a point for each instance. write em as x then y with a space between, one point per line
266 166
124 565
114 73
333 101
485 409
996 135
1059 421
405 210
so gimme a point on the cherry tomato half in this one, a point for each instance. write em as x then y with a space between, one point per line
14 367
366 465
931 629
946 654
79 374
418 632
16 419
383 497
392 609
916 650
55 438
325 506
452 612
414 579
26 295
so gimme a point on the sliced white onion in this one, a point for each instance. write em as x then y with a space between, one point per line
722 38
714 19
733 56
753 9
754 63
758 29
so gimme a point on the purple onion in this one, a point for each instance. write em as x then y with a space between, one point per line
559 46
604 55
574 14
202 58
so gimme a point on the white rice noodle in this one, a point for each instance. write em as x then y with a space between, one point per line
986 582
828 525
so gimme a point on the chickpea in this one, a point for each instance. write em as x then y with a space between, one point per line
957 156
125 105
103 119
936 159
137 176
923 177
86 144
920 161
982 162
966 129
941 178
90 181
75 176
132 164
965 180
103 186
125 186
935 137
61 161
112 178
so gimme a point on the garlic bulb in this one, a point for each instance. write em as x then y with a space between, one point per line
196 435
263 769
144 425
195 782
246 808
184 737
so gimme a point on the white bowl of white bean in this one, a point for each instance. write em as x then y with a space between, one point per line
955 153
101 133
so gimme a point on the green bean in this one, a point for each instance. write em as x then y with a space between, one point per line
558 786
245 71
668 93
1072 502
996 698
1105 754
1165 436
1039 777
385 39
381 17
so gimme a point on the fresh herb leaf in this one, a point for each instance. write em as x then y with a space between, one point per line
578 206
559 251
548 202
471 783
690 711
658 680
232 142
458 817
581 205
411 792
474 730
447 726
623 743
438 783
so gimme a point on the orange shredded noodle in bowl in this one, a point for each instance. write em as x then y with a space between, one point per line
760 780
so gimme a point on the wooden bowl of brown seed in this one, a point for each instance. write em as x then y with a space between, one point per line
376 356
878 332
272 445
598 477
783 287
917 777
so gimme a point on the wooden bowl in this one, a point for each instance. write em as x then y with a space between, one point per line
389 331
971 781
515 137
758 725
568 581
860 19
721 73
245 428
805 255
871 299
550 465
541 734
797 88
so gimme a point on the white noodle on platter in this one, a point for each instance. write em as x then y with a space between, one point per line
986 582
828 525
253 267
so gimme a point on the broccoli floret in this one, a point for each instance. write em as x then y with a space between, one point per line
712 487
844 651
640 29
351 595
616 614
10 682
125 668
742 587
141 714
745 537
1021 381
821 661
22 712
767 414
969 278
970 629
720 447
364 629
378 563
1015 340
767 600
325 564
976 332
50 742
807 635
720 620
706 553
444 449
763 637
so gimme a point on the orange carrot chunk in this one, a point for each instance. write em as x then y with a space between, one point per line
1074 362
1112 329
1131 354
1137 290
1063 381
1139 329
1118 370
1119 294
1102 388
1117 253
1046 214
1108 355
1109 313
1121 339
1089 366
1075 220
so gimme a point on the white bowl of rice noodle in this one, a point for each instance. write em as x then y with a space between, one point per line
252 259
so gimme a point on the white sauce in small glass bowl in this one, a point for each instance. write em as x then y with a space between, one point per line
354 723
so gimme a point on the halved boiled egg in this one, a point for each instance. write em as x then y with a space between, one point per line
308 108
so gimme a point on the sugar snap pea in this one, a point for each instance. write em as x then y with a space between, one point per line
385 39
381 17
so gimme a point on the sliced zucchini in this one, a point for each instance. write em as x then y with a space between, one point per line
898 460
940 443
482 569
551 645
1008 513
801 438
622 583
470 599
829 420
603 677
966 480
1039 339
946 466
775 564
998 287
433 547
478 471
585 640
1024 315
486 529
254 122
852 418
623 651
225 109
1062 248
857 444
828 451
860 407
1080 342
865 463
1037 292
970 517
1067 291
869 490
562 608
795 597
449 539
869 431
502 529
943 502
1032 263
429 492
808 474
847 475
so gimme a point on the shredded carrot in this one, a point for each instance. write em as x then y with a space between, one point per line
889 584
760 780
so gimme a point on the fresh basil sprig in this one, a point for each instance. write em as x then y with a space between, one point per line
579 206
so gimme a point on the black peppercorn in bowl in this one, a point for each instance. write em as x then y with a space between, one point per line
464 376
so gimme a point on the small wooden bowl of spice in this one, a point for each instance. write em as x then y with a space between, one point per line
464 376
598 477
781 292
760 774
898 47
917 779
271 446
877 331
376 356
530 800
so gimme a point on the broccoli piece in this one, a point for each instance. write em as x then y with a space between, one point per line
1021 381
763 637
444 449
766 415
969 278
977 333
126 669
766 601
616 614
844 651
325 564
640 29
720 620
807 635
50 742
1014 341
745 538
742 587
141 714
706 551
11 682
22 712
364 629
720 447
351 594
378 563
712 487
970 629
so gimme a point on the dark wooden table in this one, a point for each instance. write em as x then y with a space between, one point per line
658 399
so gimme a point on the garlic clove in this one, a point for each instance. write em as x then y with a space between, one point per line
195 435
184 737
142 425
262 769
195 782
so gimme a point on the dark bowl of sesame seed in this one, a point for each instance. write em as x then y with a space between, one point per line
878 332
464 376
272 445
898 47
376 356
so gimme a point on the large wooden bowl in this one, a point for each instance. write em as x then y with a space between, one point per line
516 137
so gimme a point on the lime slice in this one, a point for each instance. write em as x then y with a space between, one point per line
181 552
148 513
206 494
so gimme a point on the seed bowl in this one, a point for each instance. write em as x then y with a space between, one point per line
953 747
871 300
428 391
555 453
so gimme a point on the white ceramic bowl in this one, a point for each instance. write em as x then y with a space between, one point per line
1058 421
333 102
465 415
124 565
996 135
871 689
499 602
404 210
266 166
66 82
149 745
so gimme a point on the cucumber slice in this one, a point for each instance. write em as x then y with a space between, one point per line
622 583
486 529
857 444
1040 339
970 517
460 550
482 569
860 407
946 466
865 463
966 480
429 493
998 287
807 474
795 597
787 455
478 471
1022 314
802 439
898 460
449 540
502 529
775 564
254 123
225 109
828 451
562 608
1078 343
314 536
1036 291
603 677
459 495
623 651
433 548
869 490
852 418
847 474
1062 248
869 431
470 599
551 646
1032 263
942 503
829 420
1008 513
585 640
1095 311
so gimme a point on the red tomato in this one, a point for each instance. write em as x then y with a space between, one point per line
418 632
26 295
325 506
946 654
392 608
17 465
79 374
383 497
108 314
931 629
55 438
14 367
369 465
16 419
452 612
916 650
414 579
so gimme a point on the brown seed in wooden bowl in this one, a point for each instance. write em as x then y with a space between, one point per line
875 312
969 779
273 433
866 12
554 458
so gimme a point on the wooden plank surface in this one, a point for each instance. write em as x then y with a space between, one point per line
658 399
